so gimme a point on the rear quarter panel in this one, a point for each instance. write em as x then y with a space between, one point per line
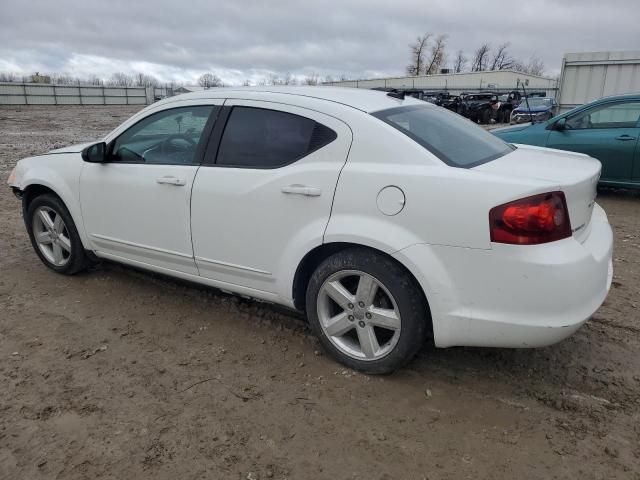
443 205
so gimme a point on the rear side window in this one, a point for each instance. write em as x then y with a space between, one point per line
261 138
453 139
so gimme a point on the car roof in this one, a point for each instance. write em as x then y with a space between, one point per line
626 96
359 98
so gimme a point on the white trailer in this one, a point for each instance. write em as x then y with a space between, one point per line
588 76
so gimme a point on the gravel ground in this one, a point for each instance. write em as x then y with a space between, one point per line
119 374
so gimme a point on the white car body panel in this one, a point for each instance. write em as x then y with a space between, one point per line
246 230
157 227
510 297
235 229
59 172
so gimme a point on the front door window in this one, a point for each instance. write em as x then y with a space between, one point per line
617 115
170 137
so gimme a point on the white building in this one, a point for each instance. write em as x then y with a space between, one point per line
588 76
497 80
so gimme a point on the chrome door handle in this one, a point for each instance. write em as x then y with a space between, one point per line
169 180
625 138
302 190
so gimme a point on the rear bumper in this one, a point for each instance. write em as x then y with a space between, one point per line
514 296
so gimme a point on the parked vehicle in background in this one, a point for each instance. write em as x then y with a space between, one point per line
488 107
436 97
477 106
337 202
607 129
534 110
451 102
509 103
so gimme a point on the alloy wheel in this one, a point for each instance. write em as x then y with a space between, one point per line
51 236
359 315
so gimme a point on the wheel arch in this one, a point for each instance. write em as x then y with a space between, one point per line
36 188
30 192
317 255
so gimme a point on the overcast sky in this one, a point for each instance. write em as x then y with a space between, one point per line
247 39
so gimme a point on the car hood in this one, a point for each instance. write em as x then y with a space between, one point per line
514 128
71 148
532 109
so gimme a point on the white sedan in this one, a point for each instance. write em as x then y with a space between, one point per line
388 220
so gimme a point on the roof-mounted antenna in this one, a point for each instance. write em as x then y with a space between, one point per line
396 94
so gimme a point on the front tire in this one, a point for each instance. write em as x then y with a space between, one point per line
367 311
54 236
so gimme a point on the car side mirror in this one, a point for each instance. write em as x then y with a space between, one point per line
96 153
560 125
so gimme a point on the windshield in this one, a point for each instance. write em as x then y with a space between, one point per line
455 140
536 102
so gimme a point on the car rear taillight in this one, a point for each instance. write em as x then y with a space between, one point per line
532 220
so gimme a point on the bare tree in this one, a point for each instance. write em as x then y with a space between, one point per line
120 79
535 66
289 80
144 80
246 83
481 58
312 79
94 80
274 79
460 62
437 55
209 80
7 77
501 58
63 79
328 79
344 77
418 49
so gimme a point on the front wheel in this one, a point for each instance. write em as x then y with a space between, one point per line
54 236
367 311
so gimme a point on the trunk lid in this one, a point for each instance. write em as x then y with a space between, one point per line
574 174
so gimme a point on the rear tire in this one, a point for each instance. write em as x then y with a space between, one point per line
54 236
367 311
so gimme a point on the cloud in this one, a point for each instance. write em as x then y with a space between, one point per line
251 39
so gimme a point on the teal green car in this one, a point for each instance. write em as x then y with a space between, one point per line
607 129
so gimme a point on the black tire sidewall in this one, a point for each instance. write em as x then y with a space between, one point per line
414 312
77 260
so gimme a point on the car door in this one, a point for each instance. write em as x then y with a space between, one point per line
608 132
135 207
265 199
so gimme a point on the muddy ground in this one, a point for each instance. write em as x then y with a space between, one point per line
121 374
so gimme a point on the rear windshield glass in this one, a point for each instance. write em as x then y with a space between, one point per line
455 140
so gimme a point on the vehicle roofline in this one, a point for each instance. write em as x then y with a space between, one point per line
228 92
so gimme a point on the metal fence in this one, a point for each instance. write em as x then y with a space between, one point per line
45 94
